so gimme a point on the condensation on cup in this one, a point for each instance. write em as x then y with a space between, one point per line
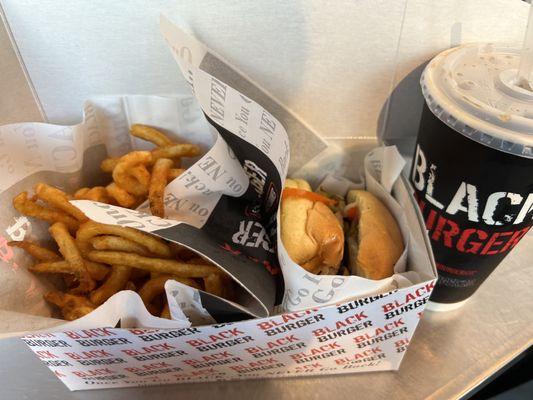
472 169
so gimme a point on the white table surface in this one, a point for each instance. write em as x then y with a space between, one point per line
450 354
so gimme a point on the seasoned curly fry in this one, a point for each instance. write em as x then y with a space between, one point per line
213 284
157 186
152 288
155 286
165 266
166 312
174 173
28 207
176 249
118 243
175 150
90 229
97 271
114 257
117 280
140 173
97 193
220 285
109 164
70 280
122 197
72 307
122 176
80 193
183 253
67 247
38 252
58 199
150 134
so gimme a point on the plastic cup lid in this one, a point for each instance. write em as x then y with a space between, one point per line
472 88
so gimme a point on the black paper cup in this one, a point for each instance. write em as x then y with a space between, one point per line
472 169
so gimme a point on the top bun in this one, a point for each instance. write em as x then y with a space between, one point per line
310 232
375 242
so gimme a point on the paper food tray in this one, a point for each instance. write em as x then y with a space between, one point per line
329 324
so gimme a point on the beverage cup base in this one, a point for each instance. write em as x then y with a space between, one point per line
443 307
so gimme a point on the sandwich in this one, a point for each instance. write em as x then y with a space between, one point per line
374 240
311 233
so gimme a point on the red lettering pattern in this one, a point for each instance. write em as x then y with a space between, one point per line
369 334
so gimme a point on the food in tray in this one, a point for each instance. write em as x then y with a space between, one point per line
98 260
374 241
312 232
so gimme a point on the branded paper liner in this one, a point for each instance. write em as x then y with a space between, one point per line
366 334
370 334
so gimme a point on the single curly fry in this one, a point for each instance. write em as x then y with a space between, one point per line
175 150
72 307
38 252
174 173
118 243
159 265
117 280
109 164
28 207
157 186
90 229
150 134
69 250
122 176
122 197
97 271
58 199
